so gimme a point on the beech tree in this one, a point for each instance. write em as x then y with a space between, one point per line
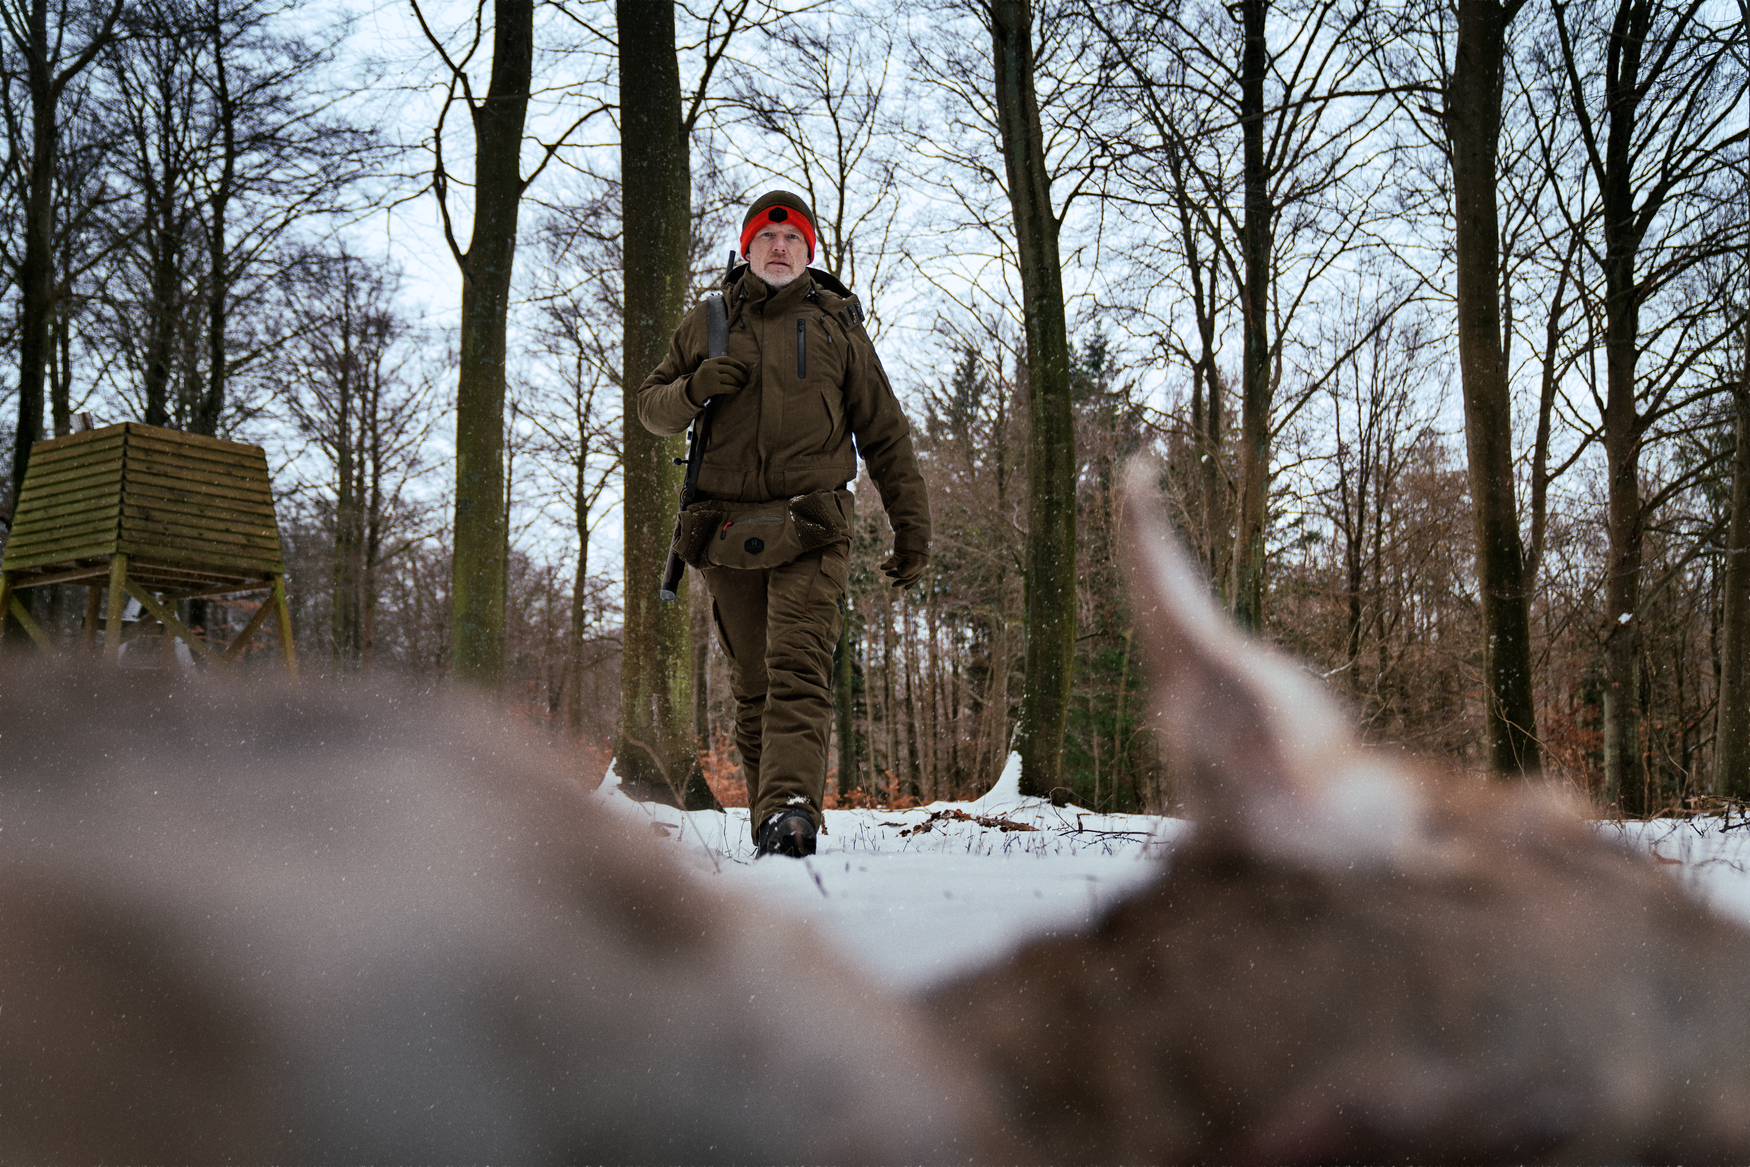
233 157
153 295
655 754
496 118
1472 119
1051 454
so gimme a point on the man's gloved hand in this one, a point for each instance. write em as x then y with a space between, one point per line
718 376
905 568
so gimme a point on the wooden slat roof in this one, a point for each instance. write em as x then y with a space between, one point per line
192 513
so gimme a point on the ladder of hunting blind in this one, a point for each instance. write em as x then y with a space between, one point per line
156 514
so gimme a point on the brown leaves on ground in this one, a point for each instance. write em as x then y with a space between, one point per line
954 814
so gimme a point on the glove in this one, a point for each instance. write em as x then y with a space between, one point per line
717 377
905 568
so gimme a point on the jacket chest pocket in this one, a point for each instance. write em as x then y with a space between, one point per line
820 351
826 356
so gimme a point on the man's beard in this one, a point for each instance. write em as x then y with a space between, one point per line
780 279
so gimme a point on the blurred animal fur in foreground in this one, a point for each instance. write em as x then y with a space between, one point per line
1358 960
308 925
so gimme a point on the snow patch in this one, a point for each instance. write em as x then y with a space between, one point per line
1710 857
912 908
1007 791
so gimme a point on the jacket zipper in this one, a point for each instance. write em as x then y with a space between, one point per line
802 349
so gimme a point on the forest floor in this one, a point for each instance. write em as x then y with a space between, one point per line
914 897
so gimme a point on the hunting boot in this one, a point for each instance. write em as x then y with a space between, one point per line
789 832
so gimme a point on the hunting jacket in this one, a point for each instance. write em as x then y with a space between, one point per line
816 397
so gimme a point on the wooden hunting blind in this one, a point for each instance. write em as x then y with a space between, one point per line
143 510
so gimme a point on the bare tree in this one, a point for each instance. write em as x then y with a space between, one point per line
235 156
656 753
835 120
366 415
1472 119
1286 90
497 118
1656 91
578 299
277 156
153 294
1732 740
44 53
1051 457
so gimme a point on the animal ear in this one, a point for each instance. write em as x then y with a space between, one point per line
1256 747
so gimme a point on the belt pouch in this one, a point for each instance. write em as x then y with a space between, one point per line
695 529
771 534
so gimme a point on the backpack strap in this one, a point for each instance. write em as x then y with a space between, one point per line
716 326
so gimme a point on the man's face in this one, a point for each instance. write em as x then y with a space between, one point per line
777 253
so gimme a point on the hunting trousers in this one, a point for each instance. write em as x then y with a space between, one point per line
778 627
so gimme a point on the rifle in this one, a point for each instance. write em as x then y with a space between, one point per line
717 345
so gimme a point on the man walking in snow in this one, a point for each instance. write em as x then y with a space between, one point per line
798 393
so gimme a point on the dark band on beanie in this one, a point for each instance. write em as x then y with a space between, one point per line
778 206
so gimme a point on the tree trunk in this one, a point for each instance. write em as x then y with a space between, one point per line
477 570
1473 128
344 616
1625 777
165 243
1624 771
1207 421
579 591
36 272
1354 532
889 707
371 553
655 752
1050 558
1732 741
908 662
211 405
933 693
1255 390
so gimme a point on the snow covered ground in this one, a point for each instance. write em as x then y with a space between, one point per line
915 897
1709 856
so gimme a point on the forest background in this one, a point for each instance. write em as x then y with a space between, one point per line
244 218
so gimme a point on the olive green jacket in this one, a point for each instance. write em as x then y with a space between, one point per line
815 387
